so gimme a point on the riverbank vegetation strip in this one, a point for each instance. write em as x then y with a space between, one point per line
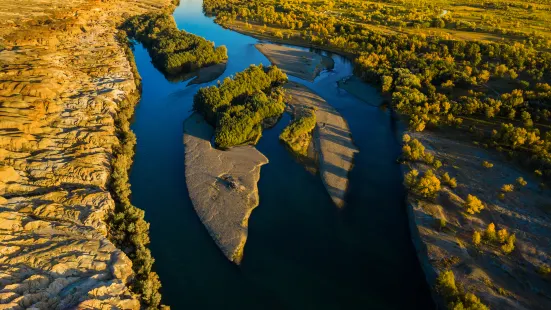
465 67
172 50
239 105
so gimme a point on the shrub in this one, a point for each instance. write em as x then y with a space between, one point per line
490 233
451 182
502 235
544 270
521 181
507 188
509 245
437 164
428 185
411 179
477 237
473 204
298 133
487 164
413 149
445 284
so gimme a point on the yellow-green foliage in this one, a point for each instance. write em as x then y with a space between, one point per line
487 164
445 284
544 270
507 188
239 105
521 182
502 235
447 288
451 182
172 50
298 133
473 205
490 233
509 245
428 185
477 237
413 149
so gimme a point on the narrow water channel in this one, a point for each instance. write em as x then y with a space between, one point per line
302 253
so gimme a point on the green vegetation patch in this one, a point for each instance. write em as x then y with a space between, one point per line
299 133
238 106
172 50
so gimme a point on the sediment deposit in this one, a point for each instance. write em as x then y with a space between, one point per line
332 140
222 185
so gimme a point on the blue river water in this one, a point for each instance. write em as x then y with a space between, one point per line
302 252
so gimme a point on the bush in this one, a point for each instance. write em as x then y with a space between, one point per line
544 270
490 233
507 188
413 150
477 237
451 182
521 181
445 284
298 133
487 164
509 245
502 235
473 204
428 185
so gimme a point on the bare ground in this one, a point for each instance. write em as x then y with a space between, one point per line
502 281
332 140
222 185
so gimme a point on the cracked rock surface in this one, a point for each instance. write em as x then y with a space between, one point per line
222 185
63 75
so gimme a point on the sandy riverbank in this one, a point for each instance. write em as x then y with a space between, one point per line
296 62
222 185
502 281
332 140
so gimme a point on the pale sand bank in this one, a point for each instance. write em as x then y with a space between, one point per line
223 208
332 140
296 62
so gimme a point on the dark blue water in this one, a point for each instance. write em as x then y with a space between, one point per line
302 253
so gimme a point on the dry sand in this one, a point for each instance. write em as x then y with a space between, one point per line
332 140
296 62
223 209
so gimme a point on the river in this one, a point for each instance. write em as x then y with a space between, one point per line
302 253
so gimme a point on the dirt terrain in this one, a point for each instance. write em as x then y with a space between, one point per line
62 80
502 281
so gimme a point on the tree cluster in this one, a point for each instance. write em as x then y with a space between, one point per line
172 50
239 105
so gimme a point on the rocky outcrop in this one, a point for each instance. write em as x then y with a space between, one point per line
63 77
222 185
332 140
